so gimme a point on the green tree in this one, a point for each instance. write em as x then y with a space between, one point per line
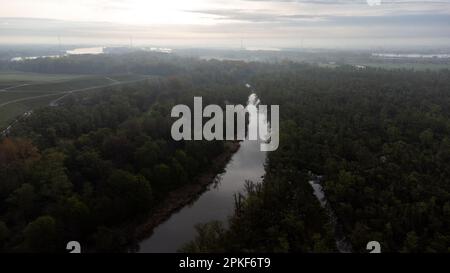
411 242
4 235
41 235
132 194
23 201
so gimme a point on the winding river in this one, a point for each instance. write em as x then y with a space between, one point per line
216 203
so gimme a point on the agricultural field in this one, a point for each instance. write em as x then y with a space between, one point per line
12 78
21 92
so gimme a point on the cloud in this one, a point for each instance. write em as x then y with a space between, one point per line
263 21
255 17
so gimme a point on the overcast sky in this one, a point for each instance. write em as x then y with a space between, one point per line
260 23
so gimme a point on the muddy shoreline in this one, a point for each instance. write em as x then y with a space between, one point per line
178 199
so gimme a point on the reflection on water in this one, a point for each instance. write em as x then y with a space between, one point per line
342 244
20 59
411 55
216 204
76 51
86 50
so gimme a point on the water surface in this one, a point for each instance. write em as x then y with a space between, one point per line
216 204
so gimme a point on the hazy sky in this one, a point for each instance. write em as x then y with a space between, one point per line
260 23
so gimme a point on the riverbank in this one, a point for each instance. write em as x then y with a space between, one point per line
183 196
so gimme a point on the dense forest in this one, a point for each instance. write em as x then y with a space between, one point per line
94 167
381 140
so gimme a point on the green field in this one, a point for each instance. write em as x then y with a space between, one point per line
11 111
21 92
13 78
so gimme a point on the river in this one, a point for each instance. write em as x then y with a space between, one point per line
216 203
76 51
343 245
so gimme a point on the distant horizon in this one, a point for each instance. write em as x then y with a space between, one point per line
375 49
331 24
